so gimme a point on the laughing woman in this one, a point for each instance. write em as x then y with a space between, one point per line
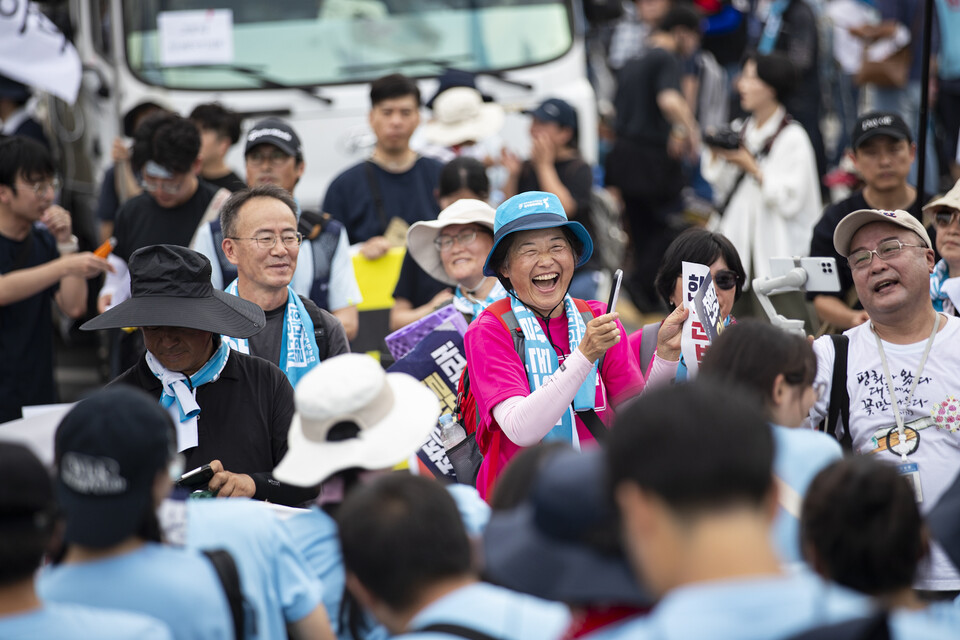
543 365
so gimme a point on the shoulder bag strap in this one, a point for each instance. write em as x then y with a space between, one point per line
455 630
377 196
839 398
226 568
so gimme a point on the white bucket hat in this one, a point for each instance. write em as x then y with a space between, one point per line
394 414
420 235
460 114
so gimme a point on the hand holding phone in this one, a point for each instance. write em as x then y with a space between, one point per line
196 479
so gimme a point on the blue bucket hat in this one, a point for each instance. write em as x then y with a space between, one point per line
534 210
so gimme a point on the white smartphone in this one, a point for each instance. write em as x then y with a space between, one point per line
614 290
821 272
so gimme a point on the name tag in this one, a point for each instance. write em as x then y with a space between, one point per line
911 471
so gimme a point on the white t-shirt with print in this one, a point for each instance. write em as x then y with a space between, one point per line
936 402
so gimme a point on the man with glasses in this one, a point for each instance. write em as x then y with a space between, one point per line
174 203
882 153
900 397
274 156
38 261
260 237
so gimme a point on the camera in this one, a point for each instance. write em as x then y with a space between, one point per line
725 138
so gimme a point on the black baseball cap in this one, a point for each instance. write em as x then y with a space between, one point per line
276 132
879 123
108 451
26 488
556 110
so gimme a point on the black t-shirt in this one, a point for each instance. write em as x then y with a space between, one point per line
267 343
26 331
244 419
231 182
352 197
141 222
821 244
639 82
416 285
577 177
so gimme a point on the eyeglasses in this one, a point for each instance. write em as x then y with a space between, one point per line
725 279
273 157
944 218
40 188
269 240
465 238
169 188
886 250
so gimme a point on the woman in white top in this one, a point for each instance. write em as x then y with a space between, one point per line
776 202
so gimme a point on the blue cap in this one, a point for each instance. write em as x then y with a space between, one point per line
556 110
534 210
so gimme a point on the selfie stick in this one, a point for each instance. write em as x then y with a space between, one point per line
793 280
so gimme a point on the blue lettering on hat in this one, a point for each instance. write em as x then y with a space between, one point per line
889 214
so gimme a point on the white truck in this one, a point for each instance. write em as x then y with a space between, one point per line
311 61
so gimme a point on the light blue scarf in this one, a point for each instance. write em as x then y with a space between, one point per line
771 29
298 349
541 362
468 306
176 389
940 274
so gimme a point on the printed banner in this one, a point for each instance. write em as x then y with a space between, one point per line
437 361
34 52
694 340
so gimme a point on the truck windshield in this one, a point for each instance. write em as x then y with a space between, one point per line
243 44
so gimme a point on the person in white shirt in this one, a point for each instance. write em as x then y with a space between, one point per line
901 367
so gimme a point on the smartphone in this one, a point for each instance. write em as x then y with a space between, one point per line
821 272
615 290
196 479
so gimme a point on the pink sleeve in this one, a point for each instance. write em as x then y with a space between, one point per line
661 371
526 420
620 372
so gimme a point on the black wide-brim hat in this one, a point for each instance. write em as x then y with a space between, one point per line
170 287
555 545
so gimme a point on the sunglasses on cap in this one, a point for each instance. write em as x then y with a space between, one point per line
725 279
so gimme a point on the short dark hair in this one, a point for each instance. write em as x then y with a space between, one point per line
170 140
213 116
699 446
464 173
776 70
500 253
860 526
681 14
395 85
700 246
752 353
400 534
24 157
231 207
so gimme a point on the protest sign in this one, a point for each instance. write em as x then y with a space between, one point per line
694 339
34 52
437 361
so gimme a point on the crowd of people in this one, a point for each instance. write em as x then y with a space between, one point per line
244 475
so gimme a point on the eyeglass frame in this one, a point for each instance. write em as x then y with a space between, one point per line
40 187
438 242
277 158
872 252
169 189
734 274
299 237
953 213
